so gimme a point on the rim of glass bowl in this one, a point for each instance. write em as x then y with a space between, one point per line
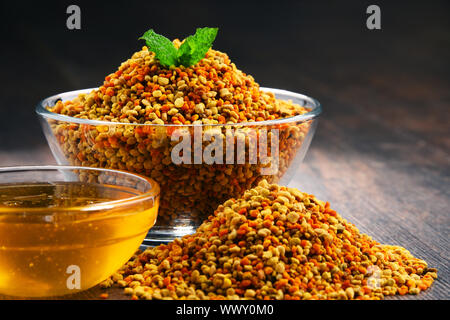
106 205
314 113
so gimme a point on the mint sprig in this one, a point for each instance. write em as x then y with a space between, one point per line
191 51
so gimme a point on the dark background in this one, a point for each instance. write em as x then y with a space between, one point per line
381 151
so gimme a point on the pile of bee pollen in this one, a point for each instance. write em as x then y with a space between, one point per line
274 243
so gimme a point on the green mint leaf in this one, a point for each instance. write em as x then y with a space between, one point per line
163 48
191 51
194 48
185 52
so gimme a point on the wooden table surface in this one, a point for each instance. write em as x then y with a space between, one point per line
381 153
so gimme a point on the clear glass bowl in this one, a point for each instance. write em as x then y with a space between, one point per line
65 229
192 179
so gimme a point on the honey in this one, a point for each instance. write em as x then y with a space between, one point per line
61 237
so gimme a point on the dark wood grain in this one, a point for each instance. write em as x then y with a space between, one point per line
381 153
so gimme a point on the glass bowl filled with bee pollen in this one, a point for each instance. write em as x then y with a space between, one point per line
64 229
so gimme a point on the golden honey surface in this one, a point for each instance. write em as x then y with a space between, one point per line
51 245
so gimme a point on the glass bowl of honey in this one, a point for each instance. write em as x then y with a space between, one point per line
64 229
